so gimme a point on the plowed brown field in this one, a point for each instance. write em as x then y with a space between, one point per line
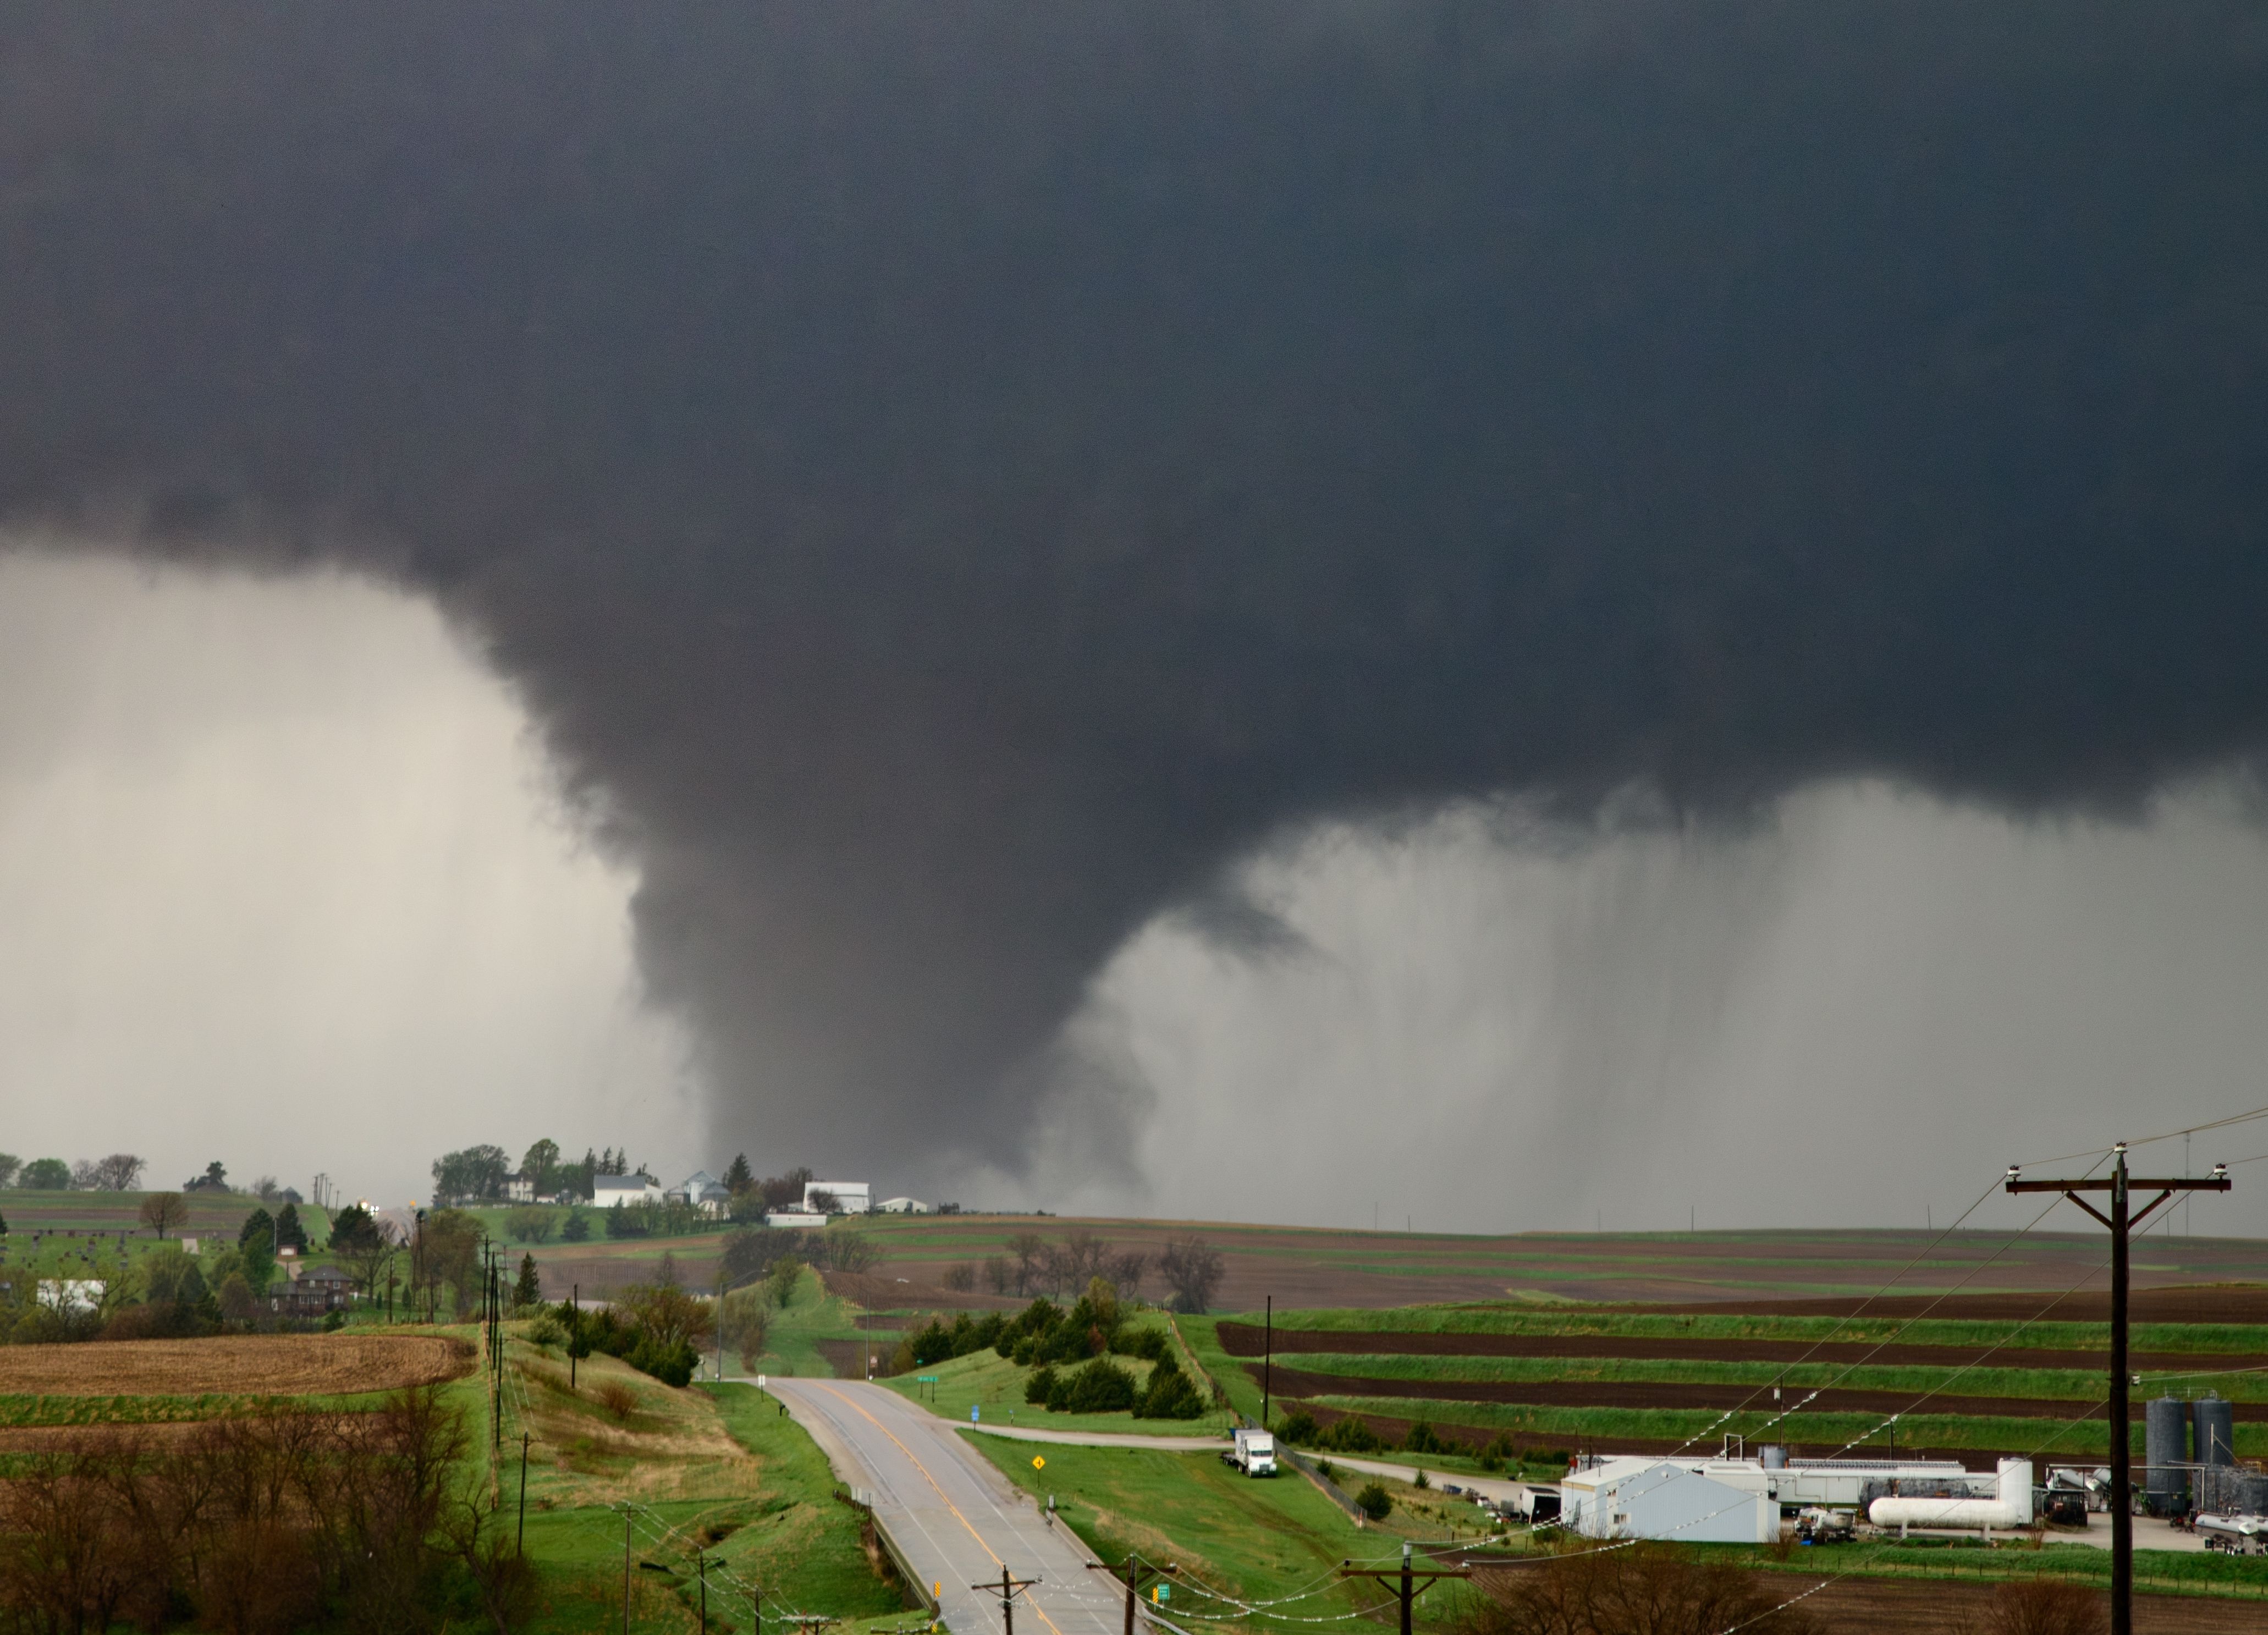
264 1364
1879 1605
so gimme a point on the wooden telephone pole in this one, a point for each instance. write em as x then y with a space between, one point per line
1408 1584
1135 1573
1009 1587
2122 1220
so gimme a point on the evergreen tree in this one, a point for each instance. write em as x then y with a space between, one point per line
260 1225
529 1290
290 1234
738 1176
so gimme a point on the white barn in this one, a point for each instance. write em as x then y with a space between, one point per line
852 1198
609 1191
902 1206
1715 1502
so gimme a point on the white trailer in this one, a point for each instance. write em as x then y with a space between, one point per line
2240 1535
1254 1452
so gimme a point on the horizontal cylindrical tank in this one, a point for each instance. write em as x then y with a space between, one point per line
2011 1508
2216 1431
2165 1452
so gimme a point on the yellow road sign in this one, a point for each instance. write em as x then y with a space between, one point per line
1038 1463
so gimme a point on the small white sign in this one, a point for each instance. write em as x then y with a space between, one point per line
760 1382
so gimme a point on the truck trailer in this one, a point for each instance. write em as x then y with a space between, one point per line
1253 1452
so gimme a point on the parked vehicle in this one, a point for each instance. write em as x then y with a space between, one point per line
1254 1452
2239 1535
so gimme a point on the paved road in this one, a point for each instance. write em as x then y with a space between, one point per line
957 1520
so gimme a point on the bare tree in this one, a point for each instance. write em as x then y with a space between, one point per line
848 1251
85 1176
1031 1251
1126 1272
997 1274
119 1172
1193 1269
162 1210
960 1278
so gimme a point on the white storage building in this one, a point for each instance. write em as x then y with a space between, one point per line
852 1198
1702 1502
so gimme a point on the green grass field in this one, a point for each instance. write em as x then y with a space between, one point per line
1533 1320
1230 1537
2055 1384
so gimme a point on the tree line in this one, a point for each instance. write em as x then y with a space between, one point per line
1190 1268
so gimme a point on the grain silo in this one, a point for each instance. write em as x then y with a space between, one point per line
2166 1455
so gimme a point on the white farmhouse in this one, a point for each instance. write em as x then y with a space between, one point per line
609 1191
704 1191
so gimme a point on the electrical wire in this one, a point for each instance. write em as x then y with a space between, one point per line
1845 1322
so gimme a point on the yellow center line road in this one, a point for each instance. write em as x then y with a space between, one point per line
923 1473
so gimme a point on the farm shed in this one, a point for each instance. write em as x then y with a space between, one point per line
1641 1497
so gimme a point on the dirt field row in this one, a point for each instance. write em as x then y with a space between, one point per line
1290 1383
1885 1606
266 1365
2214 1302
1241 1339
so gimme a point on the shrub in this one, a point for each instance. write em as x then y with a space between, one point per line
1169 1395
960 1278
1102 1388
1296 1427
575 1228
2043 1607
1040 1386
546 1332
1649 1588
1350 1435
1421 1440
1150 1344
531 1223
618 1399
1374 1501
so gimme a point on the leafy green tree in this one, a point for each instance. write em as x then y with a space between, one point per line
451 1254
529 1290
531 1223
290 1234
541 1167
45 1174
785 1273
470 1174
9 1165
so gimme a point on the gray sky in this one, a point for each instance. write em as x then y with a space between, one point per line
947 488
284 883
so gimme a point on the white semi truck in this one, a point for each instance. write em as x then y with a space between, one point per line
1254 1452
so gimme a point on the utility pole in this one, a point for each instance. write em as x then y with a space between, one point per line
1010 1589
523 1493
574 1336
1135 1571
1408 1584
1267 1359
2122 1219
626 1570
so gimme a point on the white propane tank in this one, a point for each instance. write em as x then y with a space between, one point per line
2012 1509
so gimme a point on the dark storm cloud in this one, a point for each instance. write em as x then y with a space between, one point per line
946 478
